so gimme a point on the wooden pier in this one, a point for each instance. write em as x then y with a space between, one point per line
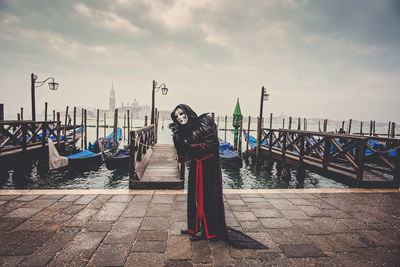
151 165
338 156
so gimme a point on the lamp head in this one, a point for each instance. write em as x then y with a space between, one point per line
164 90
53 85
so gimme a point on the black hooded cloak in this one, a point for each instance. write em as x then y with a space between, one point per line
197 142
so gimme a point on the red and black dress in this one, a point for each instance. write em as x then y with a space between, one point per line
197 142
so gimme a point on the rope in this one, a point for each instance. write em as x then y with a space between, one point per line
147 146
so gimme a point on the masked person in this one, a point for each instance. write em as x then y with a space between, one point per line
196 140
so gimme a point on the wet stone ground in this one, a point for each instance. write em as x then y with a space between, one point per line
301 229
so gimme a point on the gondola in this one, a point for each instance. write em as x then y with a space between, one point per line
119 160
228 156
83 159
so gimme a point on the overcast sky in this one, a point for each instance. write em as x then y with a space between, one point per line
331 59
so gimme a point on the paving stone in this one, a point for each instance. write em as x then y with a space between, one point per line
331 225
275 223
266 213
178 263
40 203
6 224
70 197
178 247
48 250
274 259
244 216
110 212
27 197
177 227
295 214
22 213
52 196
329 243
313 211
135 209
98 226
8 197
265 239
251 226
381 256
156 223
180 198
232 196
123 198
289 195
300 201
272 196
62 218
307 196
142 198
110 255
3 202
146 259
220 253
246 262
152 236
350 259
179 216
338 214
79 250
242 253
353 240
123 231
238 208
11 261
149 246
29 225
282 204
22 242
159 210
61 204
163 199
354 223
250 195
201 252
10 206
376 238
82 217
73 209
102 198
85 199
288 236
253 199
301 251
313 262
309 227
180 206
51 226
230 219
260 205
46 214
236 202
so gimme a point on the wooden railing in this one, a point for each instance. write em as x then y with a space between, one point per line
22 135
140 141
346 153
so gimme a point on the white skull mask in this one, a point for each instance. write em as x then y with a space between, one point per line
180 116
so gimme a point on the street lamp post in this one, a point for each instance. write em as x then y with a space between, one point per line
164 91
264 97
52 85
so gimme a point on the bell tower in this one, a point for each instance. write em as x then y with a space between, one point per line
112 99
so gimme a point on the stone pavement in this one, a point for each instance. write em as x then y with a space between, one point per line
301 228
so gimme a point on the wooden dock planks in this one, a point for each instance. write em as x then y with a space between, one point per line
162 170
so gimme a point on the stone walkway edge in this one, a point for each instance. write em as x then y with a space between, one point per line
175 192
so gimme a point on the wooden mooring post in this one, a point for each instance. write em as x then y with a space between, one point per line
58 131
105 125
240 136
124 124
83 130
115 146
45 111
97 123
132 159
86 143
65 123
54 115
248 136
129 126
145 121
22 114
349 131
290 123
226 125
299 123
155 125
1 112
74 134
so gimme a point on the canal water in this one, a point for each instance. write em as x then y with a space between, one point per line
36 176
